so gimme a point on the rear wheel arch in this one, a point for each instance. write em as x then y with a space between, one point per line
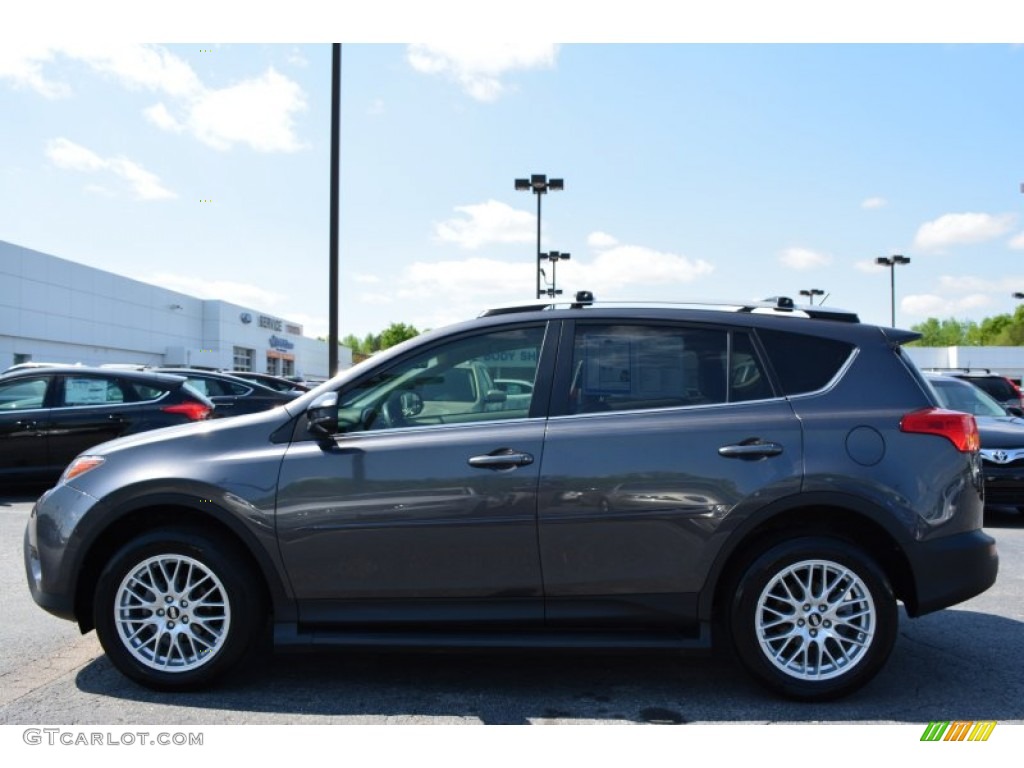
831 520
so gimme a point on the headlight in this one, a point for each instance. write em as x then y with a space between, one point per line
79 467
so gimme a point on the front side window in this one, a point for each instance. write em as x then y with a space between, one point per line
452 383
632 366
23 394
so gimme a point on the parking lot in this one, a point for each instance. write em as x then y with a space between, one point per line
961 663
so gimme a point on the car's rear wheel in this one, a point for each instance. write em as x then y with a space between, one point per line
813 618
177 608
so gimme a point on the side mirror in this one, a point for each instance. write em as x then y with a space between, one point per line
1014 410
495 396
322 415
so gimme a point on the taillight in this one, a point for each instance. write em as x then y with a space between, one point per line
194 411
959 428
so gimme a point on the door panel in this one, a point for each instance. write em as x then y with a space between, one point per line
424 509
663 438
402 515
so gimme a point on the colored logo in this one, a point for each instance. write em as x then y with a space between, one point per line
246 318
958 730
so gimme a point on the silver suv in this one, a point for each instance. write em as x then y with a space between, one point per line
759 478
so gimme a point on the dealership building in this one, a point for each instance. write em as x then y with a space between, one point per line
56 311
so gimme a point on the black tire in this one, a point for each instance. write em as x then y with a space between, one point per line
177 608
802 640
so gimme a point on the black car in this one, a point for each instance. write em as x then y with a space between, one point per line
231 395
1002 441
999 388
762 478
48 415
267 380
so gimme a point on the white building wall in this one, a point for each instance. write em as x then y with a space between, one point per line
1008 361
55 310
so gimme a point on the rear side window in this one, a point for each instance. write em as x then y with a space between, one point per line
630 367
804 363
91 390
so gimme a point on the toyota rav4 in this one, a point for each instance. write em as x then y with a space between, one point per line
760 478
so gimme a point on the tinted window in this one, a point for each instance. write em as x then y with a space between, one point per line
22 394
804 363
91 390
627 367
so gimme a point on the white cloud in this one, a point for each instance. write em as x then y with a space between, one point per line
1017 243
931 305
67 155
478 67
620 269
73 157
161 118
22 65
366 279
485 223
872 203
961 229
258 112
803 258
147 67
243 294
601 240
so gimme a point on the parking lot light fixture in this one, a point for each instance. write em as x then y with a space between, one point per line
891 262
554 257
539 184
811 293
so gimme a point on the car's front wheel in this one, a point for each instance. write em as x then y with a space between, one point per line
176 608
813 618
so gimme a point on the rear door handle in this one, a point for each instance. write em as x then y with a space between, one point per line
750 449
503 459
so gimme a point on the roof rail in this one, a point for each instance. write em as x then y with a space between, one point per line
771 305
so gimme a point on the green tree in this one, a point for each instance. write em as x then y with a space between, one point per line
395 334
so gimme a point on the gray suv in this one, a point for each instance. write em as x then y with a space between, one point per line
754 477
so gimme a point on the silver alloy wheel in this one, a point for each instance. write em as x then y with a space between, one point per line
815 620
172 613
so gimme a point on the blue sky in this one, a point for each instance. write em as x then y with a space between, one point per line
692 171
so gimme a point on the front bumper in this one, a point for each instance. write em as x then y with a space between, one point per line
952 569
51 549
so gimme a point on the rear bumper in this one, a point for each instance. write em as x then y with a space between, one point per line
952 569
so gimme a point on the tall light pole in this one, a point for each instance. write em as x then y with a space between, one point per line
810 294
332 268
891 262
539 184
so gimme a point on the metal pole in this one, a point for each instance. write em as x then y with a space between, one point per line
332 332
892 293
537 192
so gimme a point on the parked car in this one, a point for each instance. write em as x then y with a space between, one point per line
1000 388
267 380
1002 441
231 395
761 478
48 415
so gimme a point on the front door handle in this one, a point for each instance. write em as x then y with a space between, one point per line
503 459
750 449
